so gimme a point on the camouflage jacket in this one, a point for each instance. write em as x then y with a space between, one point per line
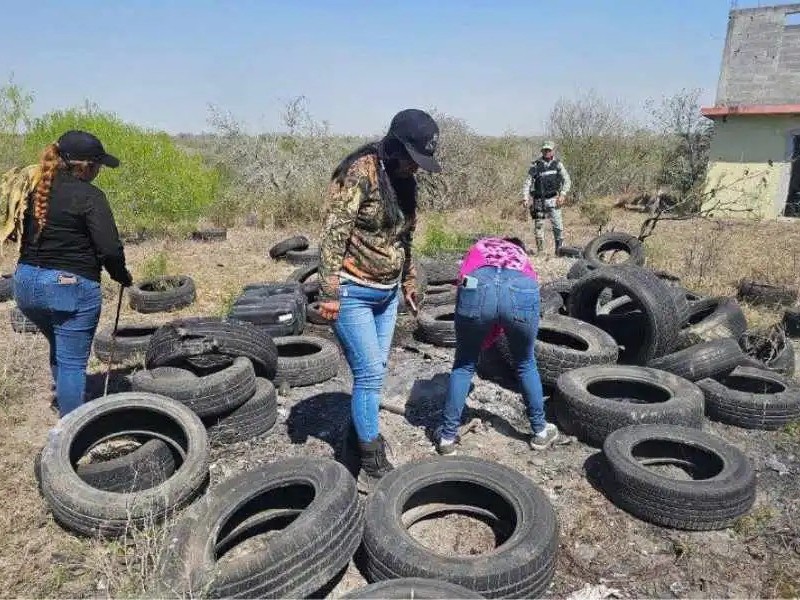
15 187
356 244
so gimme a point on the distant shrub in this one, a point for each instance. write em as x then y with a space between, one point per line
438 238
157 188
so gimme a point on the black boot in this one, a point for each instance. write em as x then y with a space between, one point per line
558 247
539 246
374 464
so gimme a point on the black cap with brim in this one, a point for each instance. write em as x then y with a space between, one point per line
109 161
425 162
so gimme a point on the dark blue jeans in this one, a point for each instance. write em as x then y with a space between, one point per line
364 328
508 298
66 309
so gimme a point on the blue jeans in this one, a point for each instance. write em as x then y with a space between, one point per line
365 327
67 313
508 298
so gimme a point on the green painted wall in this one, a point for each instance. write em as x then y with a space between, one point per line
740 169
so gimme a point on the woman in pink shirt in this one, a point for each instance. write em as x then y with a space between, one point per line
498 293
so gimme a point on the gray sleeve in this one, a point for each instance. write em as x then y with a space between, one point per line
567 181
526 188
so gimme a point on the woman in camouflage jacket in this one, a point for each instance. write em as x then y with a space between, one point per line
365 262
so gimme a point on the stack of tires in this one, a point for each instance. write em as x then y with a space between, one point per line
162 294
277 308
220 369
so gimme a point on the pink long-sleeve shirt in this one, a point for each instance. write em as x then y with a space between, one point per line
496 252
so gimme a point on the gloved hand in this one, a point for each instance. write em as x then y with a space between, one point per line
127 280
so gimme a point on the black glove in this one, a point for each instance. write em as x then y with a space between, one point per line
127 280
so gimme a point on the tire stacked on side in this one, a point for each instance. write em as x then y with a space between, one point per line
162 294
277 308
221 369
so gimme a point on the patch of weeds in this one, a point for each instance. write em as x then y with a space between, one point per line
755 522
792 430
596 213
439 239
229 296
155 266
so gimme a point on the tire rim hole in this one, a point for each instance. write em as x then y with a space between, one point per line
613 253
676 460
752 385
249 530
446 317
700 315
140 424
559 338
437 518
297 349
631 392
134 332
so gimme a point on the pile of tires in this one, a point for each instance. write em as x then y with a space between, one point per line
221 369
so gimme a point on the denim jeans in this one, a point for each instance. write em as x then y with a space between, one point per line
508 298
364 328
67 313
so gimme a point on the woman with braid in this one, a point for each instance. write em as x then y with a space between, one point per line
68 235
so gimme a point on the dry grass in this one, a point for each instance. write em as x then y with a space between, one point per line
40 559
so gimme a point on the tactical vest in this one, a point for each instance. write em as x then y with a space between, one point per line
546 180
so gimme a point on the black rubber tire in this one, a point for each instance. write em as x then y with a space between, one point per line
182 294
441 295
149 465
92 512
570 252
714 502
308 277
562 344
209 395
564 287
298 561
213 234
522 567
436 326
759 356
668 278
441 272
663 398
411 587
305 360
661 309
132 341
692 297
302 257
791 322
175 342
6 287
711 319
298 242
255 417
20 323
550 302
706 359
752 398
766 294
278 315
614 240
580 268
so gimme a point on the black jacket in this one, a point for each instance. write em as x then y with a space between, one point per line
80 235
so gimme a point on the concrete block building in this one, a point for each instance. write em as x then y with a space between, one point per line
755 150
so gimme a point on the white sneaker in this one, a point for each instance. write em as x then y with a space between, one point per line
543 439
444 445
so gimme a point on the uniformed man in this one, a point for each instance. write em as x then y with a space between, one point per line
544 193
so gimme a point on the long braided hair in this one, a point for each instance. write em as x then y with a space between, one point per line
398 194
49 163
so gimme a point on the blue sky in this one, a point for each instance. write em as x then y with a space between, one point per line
498 65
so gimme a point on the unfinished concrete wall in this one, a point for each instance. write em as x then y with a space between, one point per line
761 60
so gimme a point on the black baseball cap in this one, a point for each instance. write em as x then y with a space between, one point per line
81 145
419 133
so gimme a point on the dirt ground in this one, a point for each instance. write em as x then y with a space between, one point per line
600 545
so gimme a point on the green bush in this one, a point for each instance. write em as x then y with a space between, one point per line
158 188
